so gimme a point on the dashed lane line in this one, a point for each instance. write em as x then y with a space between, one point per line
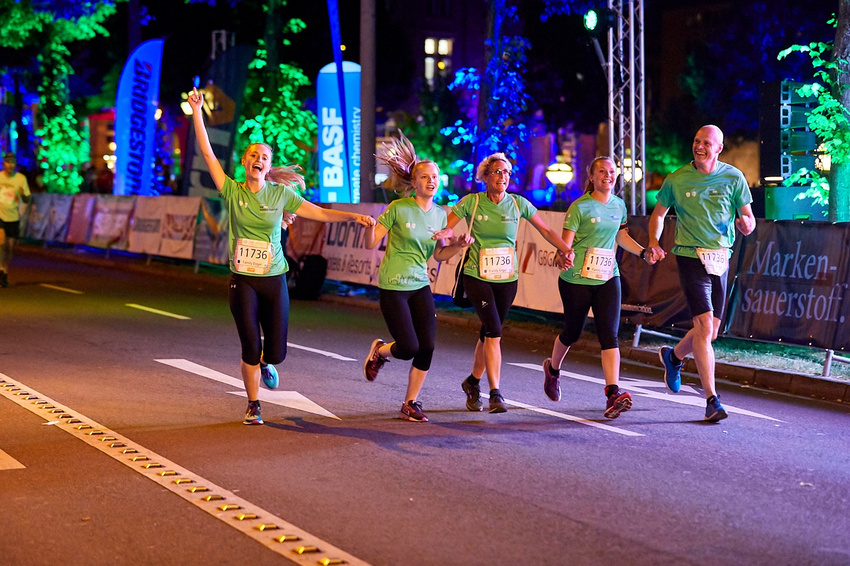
63 289
279 536
157 311
643 388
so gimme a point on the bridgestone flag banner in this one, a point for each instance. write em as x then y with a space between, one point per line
135 120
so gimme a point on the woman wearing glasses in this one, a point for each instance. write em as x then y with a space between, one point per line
490 268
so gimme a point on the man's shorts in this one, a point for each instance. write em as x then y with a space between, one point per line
12 229
703 292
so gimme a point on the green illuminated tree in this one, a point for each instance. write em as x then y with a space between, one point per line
49 27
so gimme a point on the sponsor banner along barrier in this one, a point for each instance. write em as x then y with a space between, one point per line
788 281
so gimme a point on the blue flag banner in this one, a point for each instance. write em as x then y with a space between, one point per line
223 87
135 120
339 133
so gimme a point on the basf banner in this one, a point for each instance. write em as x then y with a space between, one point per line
339 134
135 120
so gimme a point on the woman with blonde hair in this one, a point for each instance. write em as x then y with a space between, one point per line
415 228
259 299
490 271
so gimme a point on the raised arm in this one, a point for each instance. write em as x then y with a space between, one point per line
312 212
196 101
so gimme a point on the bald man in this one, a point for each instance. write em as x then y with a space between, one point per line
705 194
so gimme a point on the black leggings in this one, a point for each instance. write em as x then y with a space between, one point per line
260 302
412 322
605 301
491 300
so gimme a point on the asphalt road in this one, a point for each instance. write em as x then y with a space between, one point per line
114 418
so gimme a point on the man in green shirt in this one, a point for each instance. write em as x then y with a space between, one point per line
705 195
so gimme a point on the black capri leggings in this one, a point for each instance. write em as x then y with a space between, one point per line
605 301
412 322
492 301
260 302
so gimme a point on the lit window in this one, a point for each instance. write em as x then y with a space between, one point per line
444 47
430 46
429 69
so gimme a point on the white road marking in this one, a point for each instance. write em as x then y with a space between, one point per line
63 289
9 463
321 352
276 534
291 399
643 389
157 311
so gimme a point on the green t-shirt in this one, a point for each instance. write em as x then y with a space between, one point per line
258 216
596 226
705 206
495 225
409 244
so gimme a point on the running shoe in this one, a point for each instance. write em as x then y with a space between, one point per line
551 381
374 361
473 395
412 411
497 402
269 374
672 372
252 415
619 402
714 411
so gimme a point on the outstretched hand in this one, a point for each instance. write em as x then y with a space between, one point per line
196 100
364 220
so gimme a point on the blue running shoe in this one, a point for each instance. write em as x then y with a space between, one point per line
269 374
714 411
672 372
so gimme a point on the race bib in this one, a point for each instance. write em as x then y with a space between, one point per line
716 262
598 264
495 264
252 256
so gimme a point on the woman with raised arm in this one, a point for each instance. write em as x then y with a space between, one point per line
259 299
415 230
490 273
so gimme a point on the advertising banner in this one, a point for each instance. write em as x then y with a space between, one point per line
223 88
791 284
79 224
538 275
211 232
135 120
348 258
110 225
178 226
145 232
47 217
36 217
339 134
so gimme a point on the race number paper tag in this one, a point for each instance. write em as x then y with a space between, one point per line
598 264
252 256
495 264
716 262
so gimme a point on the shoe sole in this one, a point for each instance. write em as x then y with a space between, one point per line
664 365
717 416
253 423
376 343
620 406
411 419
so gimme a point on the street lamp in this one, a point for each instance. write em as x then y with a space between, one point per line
627 170
560 174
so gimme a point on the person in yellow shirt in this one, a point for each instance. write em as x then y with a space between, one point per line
14 189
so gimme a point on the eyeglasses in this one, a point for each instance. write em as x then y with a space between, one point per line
498 172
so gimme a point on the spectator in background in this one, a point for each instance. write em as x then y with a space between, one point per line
14 189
